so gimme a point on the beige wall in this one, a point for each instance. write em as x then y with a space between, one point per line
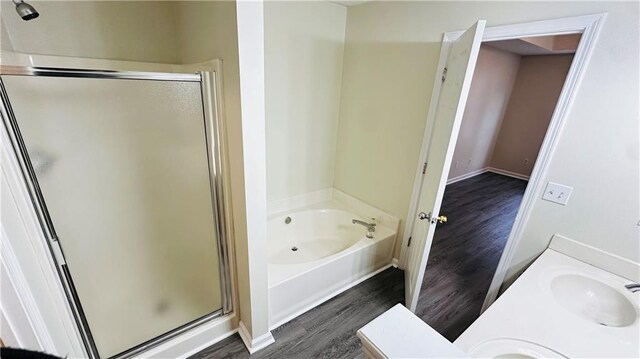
114 30
5 42
566 42
391 54
208 30
533 100
303 63
493 80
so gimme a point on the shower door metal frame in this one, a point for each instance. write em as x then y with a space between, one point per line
215 155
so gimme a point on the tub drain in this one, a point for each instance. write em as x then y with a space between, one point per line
294 248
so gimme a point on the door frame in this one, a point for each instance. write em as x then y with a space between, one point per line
183 341
589 26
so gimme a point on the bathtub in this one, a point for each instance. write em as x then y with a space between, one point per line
316 253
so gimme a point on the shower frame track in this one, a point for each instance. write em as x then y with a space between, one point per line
215 156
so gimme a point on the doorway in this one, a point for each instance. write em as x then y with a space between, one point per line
514 91
451 87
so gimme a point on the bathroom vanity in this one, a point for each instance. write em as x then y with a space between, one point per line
560 307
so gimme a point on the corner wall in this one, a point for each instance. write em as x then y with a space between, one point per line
304 44
495 74
511 101
526 120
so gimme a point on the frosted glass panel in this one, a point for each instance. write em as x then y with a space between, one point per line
122 165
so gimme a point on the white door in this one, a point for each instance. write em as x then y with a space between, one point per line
461 62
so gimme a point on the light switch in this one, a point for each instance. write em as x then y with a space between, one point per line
557 193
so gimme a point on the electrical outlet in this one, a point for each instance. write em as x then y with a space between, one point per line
557 193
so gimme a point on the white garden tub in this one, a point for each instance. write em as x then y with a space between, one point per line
317 254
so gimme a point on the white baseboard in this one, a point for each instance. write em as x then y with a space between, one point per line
194 339
395 263
19 308
329 296
507 173
467 175
485 170
210 343
254 344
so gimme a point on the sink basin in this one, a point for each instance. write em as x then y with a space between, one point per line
593 300
503 348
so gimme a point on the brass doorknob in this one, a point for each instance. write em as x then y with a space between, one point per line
442 219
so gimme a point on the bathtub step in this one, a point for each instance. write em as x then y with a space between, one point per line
398 333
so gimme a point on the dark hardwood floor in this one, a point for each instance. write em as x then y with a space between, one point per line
466 250
463 258
329 330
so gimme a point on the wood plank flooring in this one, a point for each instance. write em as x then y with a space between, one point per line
463 258
327 331
466 250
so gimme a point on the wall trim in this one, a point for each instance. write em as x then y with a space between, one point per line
57 316
206 345
467 175
589 26
194 340
254 345
485 170
19 283
253 283
508 173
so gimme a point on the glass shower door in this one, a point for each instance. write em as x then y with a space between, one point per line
123 168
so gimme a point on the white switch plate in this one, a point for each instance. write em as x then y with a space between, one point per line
557 193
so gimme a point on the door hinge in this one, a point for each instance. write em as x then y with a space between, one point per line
409 242
57 252
444 74
424 168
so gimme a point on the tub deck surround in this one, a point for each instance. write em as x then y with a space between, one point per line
333 198
315 237
315 252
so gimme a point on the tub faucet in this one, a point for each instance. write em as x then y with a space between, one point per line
371 227
634 287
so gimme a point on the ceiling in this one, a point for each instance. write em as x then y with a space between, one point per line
540 45
349 2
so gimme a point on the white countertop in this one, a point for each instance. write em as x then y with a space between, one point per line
398 333
529 311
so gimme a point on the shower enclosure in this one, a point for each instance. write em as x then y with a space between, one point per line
124 170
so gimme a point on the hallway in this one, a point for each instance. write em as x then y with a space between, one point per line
466 250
